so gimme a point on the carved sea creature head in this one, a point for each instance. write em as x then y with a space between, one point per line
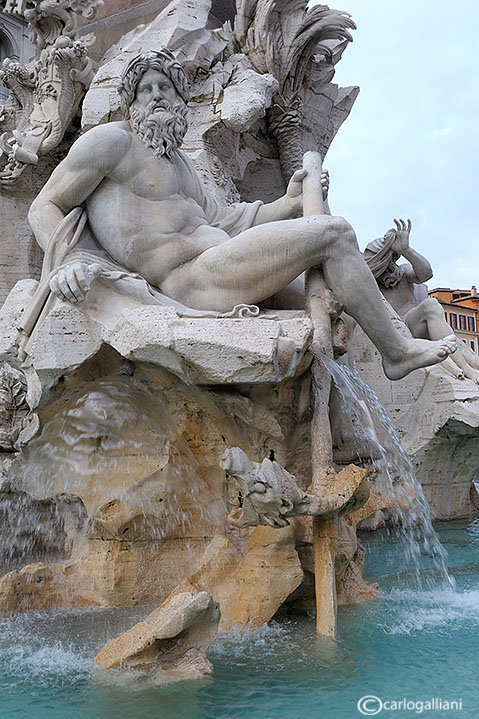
268 491
162 61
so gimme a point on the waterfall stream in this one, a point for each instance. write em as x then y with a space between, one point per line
411 524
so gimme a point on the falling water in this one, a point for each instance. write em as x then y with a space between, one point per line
109 459
411 517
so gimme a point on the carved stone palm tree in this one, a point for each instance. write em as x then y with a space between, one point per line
297 46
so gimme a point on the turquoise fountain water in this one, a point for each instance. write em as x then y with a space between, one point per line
416 643
411 643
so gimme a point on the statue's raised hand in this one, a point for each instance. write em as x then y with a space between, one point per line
403 230
295 188
325 184
72 282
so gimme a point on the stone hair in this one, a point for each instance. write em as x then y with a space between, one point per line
162 61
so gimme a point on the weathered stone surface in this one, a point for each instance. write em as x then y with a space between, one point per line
181 27
172 641
437 419
200 350
217 567
269 573
246 96
37 586
351 587
65 340
250 586
213 351
10 316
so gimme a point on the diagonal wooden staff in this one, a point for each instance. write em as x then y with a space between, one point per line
318 302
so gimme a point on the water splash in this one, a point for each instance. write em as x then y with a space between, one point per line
439 608
396 478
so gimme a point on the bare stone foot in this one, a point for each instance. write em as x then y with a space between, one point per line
420 353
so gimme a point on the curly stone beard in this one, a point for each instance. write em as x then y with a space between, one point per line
161 126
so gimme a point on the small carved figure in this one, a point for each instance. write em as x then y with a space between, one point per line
150 217
425 319
270 494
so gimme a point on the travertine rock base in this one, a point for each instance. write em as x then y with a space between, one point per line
133 426
250 587
171 642
352 588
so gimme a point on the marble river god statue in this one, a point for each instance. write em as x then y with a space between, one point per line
425 319
127 206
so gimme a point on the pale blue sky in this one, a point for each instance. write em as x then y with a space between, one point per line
409 147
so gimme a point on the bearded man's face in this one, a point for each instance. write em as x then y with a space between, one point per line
158 113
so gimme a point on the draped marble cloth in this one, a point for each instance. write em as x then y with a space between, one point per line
73 240
381 260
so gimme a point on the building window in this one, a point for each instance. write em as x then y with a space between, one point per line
473 348
453 320
471 325
462 322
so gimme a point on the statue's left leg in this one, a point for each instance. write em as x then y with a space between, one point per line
261 261
427 320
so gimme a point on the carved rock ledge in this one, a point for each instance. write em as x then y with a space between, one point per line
199 351
171 642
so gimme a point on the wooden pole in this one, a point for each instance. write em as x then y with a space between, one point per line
318 304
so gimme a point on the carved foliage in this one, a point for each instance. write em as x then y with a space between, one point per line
17 422
286 39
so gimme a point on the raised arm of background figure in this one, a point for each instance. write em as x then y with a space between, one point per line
419 270
91 158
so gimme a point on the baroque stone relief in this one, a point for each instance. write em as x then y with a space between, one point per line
18 423
46 93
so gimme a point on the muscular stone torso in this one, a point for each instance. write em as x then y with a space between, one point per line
146 214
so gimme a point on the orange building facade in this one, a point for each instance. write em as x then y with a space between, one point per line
461 308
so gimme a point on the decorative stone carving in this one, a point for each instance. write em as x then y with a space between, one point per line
18 423
44 95
270 494
173 264
437 418
151 485
13 7
301 42
48 19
